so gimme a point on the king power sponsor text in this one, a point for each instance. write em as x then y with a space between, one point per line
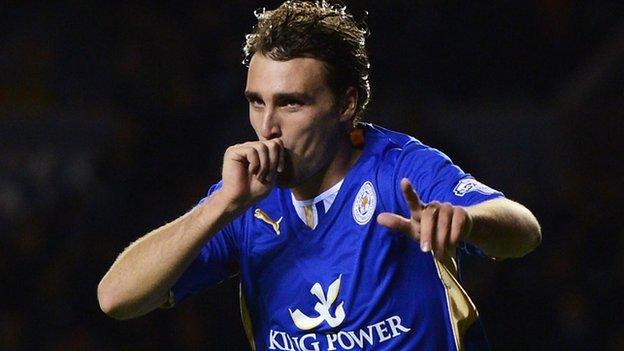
373 334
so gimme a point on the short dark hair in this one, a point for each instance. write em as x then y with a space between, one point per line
319 30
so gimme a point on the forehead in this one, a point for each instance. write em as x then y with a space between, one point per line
301 74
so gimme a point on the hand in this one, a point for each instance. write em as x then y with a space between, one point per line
438 226
250 170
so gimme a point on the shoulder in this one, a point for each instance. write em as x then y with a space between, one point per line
394 149
432 173
382 138
379 138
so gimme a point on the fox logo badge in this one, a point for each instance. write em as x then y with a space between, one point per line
304 322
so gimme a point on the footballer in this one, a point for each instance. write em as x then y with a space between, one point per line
345 235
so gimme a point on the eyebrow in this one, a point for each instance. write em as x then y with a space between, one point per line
252 95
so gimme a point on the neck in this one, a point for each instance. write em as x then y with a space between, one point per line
345 158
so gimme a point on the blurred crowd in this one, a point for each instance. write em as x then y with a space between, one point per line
114 117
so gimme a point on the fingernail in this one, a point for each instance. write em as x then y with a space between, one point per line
425 247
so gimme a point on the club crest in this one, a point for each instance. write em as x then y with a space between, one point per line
364 204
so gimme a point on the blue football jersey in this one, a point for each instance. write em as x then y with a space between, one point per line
349 283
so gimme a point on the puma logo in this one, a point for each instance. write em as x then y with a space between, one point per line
261 215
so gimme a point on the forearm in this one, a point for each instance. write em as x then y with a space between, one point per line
503 228
140 279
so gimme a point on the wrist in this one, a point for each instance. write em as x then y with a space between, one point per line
223 205
470 225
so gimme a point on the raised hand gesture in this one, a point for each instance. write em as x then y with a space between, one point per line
437 226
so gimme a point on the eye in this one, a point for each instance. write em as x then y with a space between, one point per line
256 103
293 104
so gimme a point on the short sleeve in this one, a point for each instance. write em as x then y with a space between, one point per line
436 178
215 262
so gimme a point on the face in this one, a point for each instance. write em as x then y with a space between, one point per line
291 100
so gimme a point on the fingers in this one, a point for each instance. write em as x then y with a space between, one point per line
412 199
265 161
443 226
274 151
264 157
250 170
245 154
282 152
443 230
438 226
460 226
428 225
276 157
396 222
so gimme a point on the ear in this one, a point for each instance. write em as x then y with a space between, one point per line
349 105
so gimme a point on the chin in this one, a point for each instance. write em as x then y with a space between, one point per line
285 181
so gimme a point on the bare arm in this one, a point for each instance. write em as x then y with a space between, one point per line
140 279
500 227
503 228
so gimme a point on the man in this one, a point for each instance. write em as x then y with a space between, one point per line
345 234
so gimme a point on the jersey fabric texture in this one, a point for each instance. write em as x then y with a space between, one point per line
350 283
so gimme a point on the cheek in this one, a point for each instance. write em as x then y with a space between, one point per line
255 121
316 144
309 134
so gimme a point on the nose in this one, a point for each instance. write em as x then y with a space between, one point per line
270 127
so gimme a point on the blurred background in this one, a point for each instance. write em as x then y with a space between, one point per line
114 117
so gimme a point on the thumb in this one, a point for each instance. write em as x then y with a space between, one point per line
395 222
